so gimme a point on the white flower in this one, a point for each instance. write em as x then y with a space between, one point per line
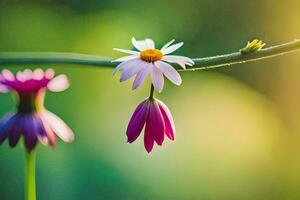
149 60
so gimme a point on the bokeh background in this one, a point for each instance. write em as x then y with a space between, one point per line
238 127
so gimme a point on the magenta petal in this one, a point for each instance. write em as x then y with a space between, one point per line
168 120
155 123
148 140
137 121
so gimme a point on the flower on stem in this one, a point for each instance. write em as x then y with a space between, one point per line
149 60
32 119
253 46
158 122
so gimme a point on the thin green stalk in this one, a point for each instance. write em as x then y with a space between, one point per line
26 58
30 190
238 57
151 92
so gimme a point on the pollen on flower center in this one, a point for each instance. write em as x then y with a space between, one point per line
151 55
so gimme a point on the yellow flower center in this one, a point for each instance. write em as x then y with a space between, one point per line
151 55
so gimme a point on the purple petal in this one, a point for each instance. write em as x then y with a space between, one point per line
157 78
15 132
140 77
29 131
125 65
169 72
137 121
155 123
148 141
168 120
6 124
134 69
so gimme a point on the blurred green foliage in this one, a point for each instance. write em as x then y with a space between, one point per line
238 128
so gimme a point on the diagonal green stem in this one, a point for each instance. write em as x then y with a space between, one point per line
200 63
30 190
238 57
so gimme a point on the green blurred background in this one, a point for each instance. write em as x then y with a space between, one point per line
238 127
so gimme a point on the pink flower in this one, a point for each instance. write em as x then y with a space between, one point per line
151 61
158 122
32 119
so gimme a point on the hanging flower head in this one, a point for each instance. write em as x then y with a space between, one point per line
149 60
158 122
32 119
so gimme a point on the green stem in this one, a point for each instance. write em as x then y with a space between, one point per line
30 190
200 63
238 57
151 92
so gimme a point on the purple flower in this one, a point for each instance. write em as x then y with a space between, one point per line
158 119
32 119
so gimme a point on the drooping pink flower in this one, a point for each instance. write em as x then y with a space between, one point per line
151 61
155 116
32 119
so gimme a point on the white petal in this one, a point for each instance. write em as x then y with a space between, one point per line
157 78
38 74
49 73
174 59
125 65
150 43
169 72
133 69
20 77
6 74
139 45
143 44
126 51
181 65
172 48
140 77
167 45
126 58
180 60
58 126
59 83
3 88
27 74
